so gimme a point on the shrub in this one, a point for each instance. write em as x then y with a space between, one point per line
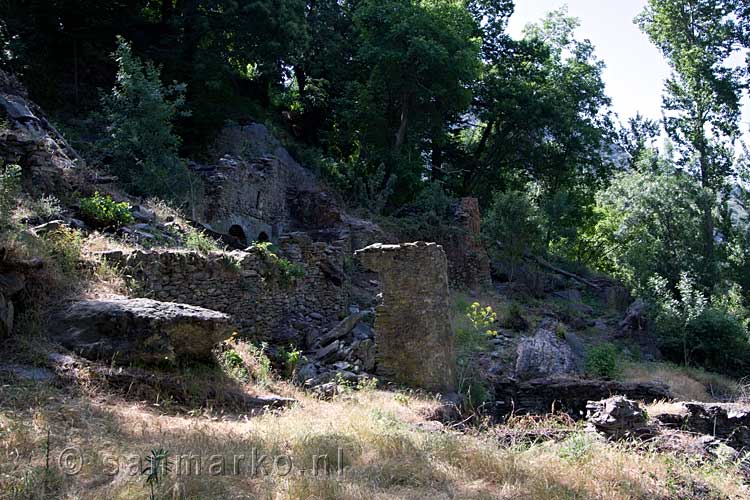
103 211
290 271
141 112
603 360
513 222
200 242
64 246
46 207
291 359
10 187
693 331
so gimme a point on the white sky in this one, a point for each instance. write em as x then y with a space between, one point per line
635 71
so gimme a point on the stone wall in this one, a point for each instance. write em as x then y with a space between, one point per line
413 334
254 187
468 262
264 301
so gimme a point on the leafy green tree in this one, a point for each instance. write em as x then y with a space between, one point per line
543 119
701 100
512 229
649 224
691 330
417 60
140 112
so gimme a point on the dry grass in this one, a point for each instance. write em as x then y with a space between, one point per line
378 440
686 384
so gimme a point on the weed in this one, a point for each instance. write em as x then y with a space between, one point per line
603 360
103 211
200 242
158 467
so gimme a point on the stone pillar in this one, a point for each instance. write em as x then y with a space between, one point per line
468 262
413 334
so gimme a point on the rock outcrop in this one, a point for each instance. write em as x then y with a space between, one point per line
618 417
568 394
140 330
546 354
726 421
414 339
46 159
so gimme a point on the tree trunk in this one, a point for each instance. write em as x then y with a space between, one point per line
436 160
401 134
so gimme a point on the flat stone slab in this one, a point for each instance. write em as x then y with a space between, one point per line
123 330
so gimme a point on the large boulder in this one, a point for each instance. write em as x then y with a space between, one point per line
413 335
140 330
618 417
546 354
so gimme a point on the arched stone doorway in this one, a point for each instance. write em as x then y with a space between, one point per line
263 236
237 232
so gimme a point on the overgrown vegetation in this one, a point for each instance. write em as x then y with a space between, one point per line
10 186
102 211
198 240
604 360
473 326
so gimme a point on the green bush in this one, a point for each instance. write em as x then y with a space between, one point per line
140 112
290 271
695 331
603 360
10 187
103 211
200 242
512 229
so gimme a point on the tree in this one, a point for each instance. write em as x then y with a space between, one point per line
701 101
140 112
542 120
417 61
648 224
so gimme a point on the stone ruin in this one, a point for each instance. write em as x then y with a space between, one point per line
414 338
468 262
250 286
256 191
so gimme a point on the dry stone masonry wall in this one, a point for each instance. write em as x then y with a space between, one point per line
265 300
414 339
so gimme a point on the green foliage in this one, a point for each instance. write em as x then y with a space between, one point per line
64 247
291 358
197 240
103 211
695 331
140 113
512 229
649 223
46 207
603 360
290 271
235 366
473 335
157 468
10 187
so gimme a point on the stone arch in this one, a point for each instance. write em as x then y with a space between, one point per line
262 236
237 232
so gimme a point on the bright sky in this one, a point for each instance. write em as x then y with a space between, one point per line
635 71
